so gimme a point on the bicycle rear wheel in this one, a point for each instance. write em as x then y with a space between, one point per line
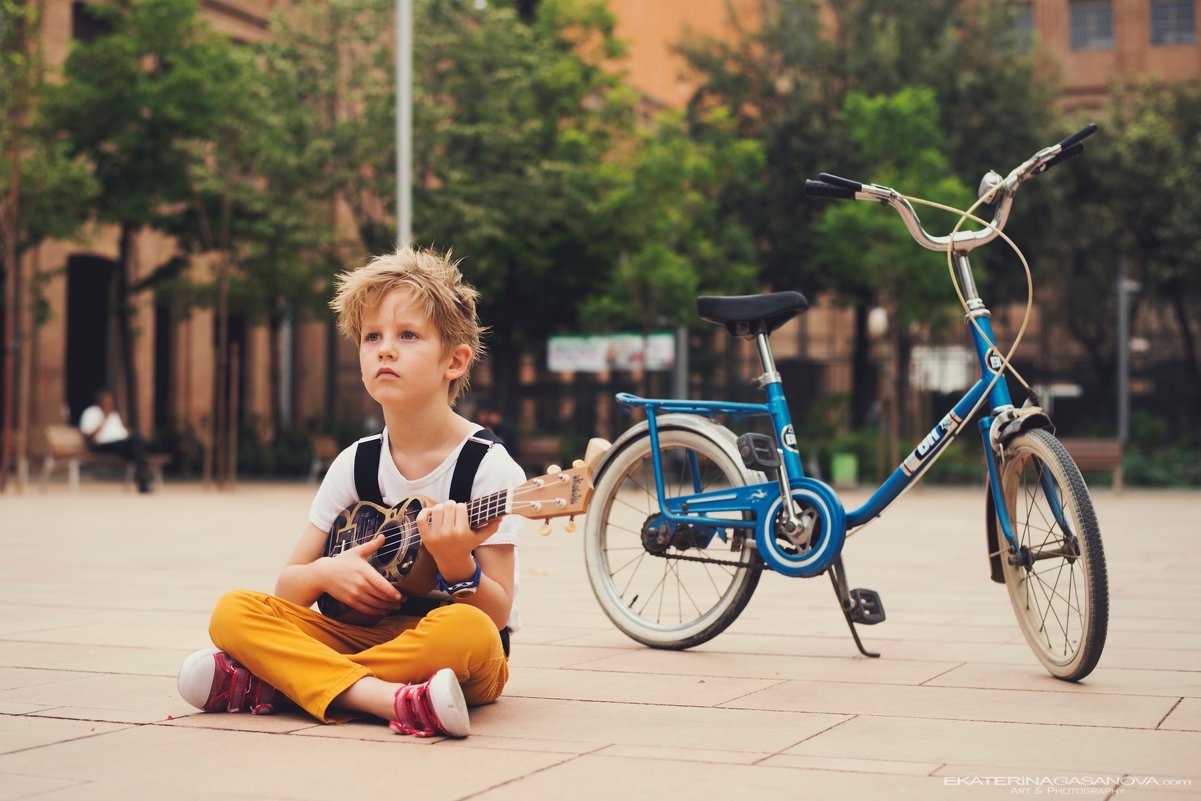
1056 580
667 588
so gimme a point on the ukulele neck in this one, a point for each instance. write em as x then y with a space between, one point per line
488 508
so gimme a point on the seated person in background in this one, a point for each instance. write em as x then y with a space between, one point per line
101 424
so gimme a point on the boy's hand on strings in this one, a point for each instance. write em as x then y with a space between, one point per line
354 582
445 533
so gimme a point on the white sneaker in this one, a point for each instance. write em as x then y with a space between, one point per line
435 706
213 681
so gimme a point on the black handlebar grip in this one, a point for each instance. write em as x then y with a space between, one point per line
1083 133
845 183
1070 153
823 189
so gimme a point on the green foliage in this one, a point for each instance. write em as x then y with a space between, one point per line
133 102
54 189
1131 200
786 83
330 75
259 192
664 214
1157 458
1175 466
512 122
865 249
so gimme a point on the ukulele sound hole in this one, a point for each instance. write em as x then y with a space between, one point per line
401 545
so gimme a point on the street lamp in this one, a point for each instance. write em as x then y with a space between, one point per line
404 121
1125 287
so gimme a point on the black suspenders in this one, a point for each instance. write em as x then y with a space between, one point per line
366 466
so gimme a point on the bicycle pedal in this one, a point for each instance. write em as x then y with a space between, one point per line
868 609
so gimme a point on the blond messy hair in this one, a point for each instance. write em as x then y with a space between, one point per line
439 291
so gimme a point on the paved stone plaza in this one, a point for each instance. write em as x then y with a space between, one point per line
103 593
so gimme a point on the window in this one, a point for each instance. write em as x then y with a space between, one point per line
1023 25
86 25
1092 25
1173 22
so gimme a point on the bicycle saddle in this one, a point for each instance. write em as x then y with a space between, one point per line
751 315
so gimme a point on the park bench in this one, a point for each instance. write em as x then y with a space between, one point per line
66 445
1097 453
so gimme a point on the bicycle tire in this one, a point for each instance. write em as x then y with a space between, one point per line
665 600
1057 585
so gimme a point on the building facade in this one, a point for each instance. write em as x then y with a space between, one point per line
1089 43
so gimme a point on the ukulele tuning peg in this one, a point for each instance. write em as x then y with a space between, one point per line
578 463
545 530
553 469
570 527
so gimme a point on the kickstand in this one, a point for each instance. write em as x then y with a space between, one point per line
838 579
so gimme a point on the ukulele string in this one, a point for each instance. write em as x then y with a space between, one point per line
479 511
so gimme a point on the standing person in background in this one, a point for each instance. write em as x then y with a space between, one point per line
106 433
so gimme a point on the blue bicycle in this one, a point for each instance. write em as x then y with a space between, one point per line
687 515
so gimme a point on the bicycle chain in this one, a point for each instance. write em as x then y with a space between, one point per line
751 566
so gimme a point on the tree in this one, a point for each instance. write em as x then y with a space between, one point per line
662 212
133 103
868 252
1163 141
512 121
332 85
43 193
786 82
1149 141
260 206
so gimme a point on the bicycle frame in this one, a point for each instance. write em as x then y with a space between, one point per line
697 509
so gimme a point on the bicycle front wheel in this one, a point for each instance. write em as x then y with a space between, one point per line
668 587
1056 580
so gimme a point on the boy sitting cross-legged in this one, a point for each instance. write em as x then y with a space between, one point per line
414 320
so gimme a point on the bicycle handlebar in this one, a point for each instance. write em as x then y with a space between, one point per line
1079 136
824 189
999 191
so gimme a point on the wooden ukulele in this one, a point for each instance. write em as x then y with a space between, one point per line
408 567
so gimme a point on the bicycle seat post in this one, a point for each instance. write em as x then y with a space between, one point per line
770 374
792 521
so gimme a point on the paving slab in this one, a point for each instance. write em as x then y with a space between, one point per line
780 706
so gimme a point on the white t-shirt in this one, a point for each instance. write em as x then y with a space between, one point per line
108 429
496 472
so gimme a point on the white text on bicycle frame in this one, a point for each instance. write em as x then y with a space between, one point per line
944 428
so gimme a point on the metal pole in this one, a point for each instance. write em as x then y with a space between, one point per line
680 371
404 121
1125 287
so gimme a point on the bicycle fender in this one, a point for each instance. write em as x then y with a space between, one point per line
992 535
1011 423
701 426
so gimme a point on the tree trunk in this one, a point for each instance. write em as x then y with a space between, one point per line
862 396
275 374
125 311
11 263
1192 364
904 349
9 259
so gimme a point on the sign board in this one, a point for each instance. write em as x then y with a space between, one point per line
603 352
948 368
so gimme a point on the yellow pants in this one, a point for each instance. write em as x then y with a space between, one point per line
312 659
